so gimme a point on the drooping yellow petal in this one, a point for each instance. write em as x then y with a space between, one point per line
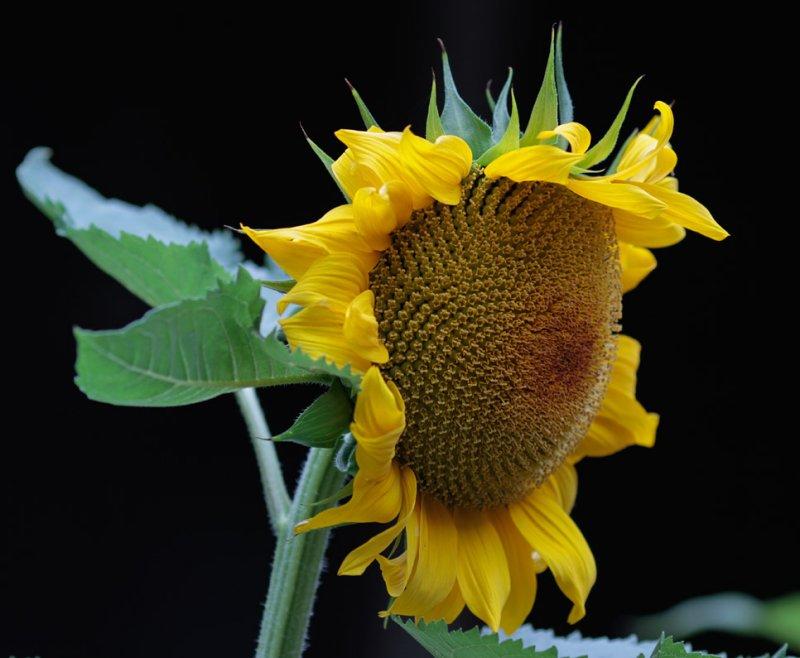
332 281
374 500
621 420
638 162
435 569
576 134
522 571
319 332
636 263
437 167
564 483
361 328
378 421
554 535
297 247
449 608
647 232
534 163
666 160
396 571
483 576
360 558
618 195
686 211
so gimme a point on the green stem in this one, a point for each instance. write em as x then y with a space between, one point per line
269 467
298 562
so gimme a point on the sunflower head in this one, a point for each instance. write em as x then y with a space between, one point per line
473 278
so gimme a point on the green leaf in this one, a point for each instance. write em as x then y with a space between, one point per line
442 643
184 352
565 109
326 160
433 123
667 648
604 147
500 116
544 115
155 272
282 286
508 142
458 117
296 358
363 110
324 421
489 99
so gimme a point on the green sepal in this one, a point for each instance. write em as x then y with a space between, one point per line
323 422
500 116
346 455
544 115
363 110
433 123
508 142
565 107
443 643
184 352
320 367
283 285
458 118
605 146
489 98
327 161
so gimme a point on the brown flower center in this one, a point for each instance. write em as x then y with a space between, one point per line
499 316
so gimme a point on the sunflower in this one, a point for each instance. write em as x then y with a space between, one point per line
474 282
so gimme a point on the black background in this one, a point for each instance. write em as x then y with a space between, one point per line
143 532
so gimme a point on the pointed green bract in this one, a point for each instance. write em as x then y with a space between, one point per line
442 643
489 99
544 115
605 146
284 285
328 162
565 109
323 422
500 116
458 118
509 141
433 123
184 352
363 110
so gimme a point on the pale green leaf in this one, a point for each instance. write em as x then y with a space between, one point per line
184 352
363 110
500 115
544 115
433 123
458 117
508 142
605 146
443 643
565 108
324 421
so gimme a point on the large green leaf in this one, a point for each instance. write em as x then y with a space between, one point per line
184 352
668 648
323 423
295 358
458 117
442 643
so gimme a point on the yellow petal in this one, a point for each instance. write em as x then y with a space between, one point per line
397 571
378 421
639 161
374 217
521 569
647 232
666 160
564 484
618 195
636 263
534 163
374 500
360 558
319 332
437 167
374 160
435 568
483 576
332 281
686 211
296 248
450 607
553 534
361 328
576 134
621 420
